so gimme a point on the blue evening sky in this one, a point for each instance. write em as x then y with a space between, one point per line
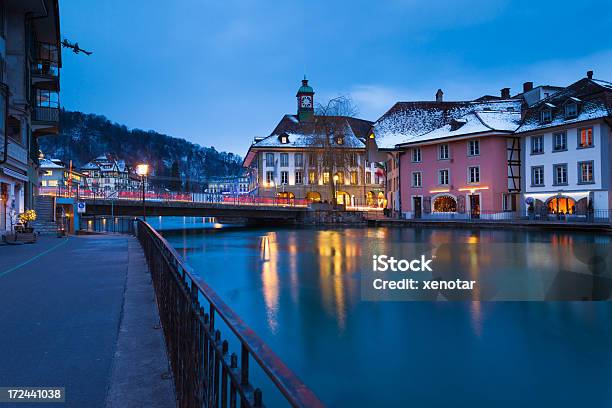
219 73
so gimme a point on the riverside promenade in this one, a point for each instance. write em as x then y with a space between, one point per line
80 313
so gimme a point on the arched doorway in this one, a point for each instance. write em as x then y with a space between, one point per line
313 197
445 204
381 200
561 205
343 198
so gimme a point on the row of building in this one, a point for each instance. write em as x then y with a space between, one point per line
30 62
544 150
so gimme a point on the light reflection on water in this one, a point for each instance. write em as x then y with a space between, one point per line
300 291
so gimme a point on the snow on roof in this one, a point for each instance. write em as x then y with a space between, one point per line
595 101
307 134
605 84
473 123
407 120
49 164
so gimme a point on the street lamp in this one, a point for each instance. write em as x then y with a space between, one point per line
142 170
335 189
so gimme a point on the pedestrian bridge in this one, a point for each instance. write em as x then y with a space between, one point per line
251 212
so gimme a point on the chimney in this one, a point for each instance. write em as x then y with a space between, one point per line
439 95
590 74
527 86
505 93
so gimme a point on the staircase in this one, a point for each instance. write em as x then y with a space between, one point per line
45 215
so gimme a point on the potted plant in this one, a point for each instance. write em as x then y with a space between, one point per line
25 218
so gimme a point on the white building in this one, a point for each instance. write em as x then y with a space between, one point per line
567 148
105 174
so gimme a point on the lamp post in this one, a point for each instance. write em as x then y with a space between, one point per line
335 190
142 170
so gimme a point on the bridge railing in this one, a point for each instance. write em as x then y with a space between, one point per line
206 373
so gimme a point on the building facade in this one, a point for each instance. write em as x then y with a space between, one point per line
30 62
229 185
567 147
58 178
107 175
315 158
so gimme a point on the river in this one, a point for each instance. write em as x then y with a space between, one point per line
300 290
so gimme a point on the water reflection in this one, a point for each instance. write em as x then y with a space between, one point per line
300 291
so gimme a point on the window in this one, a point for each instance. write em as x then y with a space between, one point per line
560 174
312 177
416 155
284 177
353 160
417 178
368 178
445 204
474 148
284 159
443 152
270 159
585 172
312 159
537 144
443 177
585 137
571 110
298 159
326 178
340 140
269 177
299 177
284 139
546 116
559 141
474 174
354 178
537 176
340 176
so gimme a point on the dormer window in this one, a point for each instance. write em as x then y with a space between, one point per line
571 110
339 140
546 116
457 123
284 138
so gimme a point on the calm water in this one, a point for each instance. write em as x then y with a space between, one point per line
304 300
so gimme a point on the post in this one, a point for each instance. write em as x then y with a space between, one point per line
144 209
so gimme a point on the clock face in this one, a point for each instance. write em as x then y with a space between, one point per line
306 101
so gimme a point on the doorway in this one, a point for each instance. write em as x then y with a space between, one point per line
418 206
474 206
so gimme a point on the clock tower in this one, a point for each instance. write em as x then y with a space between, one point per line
305 100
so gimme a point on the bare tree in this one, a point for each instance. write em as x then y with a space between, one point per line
330 141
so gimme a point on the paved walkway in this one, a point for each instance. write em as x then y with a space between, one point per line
68 309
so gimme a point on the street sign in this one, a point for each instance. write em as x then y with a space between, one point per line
81 207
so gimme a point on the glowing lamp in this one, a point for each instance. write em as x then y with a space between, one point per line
142 170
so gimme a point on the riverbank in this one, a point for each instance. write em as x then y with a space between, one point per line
516 224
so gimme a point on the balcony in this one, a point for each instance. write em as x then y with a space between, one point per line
45 66
45 120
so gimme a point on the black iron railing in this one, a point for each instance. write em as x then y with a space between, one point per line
46 114
205 373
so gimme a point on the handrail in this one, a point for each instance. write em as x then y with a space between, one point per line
292 388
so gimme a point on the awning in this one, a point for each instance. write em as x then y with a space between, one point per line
14 174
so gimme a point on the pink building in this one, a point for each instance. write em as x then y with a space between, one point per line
467 168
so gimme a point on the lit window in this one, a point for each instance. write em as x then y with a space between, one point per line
585 137
326 178
354 178
312 177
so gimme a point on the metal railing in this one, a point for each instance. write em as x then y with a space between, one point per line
46 114
205 373
119 225
594 216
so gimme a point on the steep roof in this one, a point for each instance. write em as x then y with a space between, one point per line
475 122
304 134
407 120
49 164
594 99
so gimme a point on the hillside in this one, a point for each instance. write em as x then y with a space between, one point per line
86 136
